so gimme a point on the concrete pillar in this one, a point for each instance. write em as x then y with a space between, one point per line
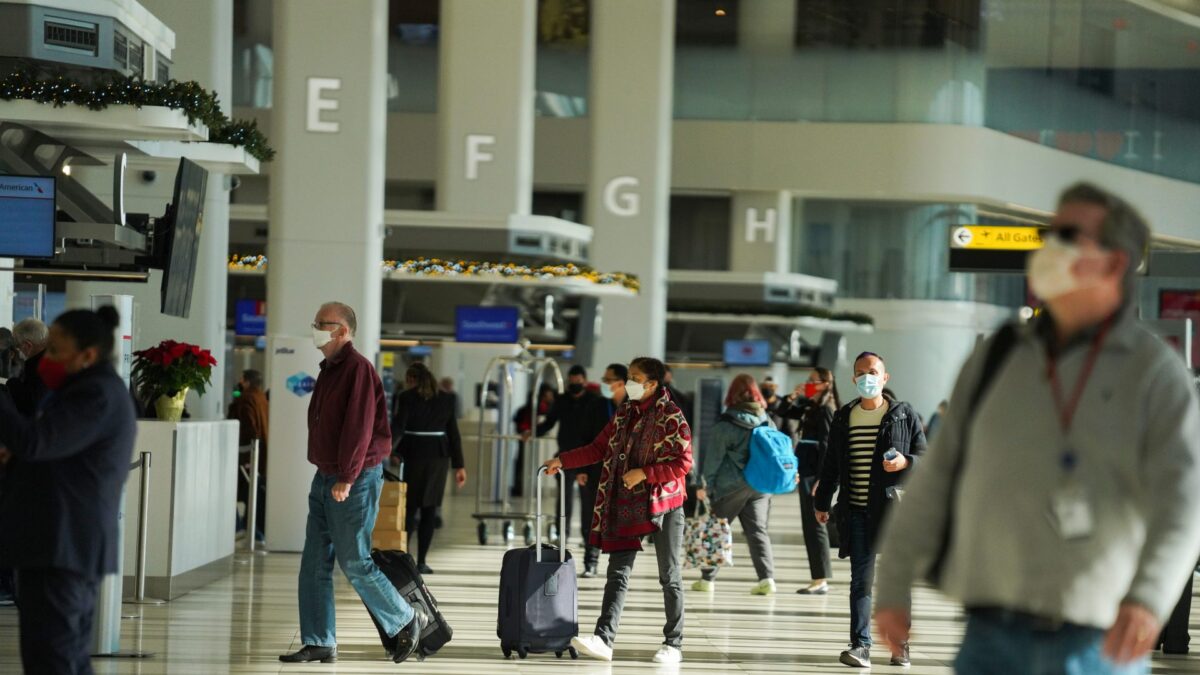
485 106
203 52
629 187
761 237
326 193
326 211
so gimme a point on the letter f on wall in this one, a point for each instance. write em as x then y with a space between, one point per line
475 153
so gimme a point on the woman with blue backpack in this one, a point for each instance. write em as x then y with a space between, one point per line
743 462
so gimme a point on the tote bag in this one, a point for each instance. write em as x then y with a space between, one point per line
707 540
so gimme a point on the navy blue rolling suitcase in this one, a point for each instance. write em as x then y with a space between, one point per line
539 595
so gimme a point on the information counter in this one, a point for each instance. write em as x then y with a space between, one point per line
192 511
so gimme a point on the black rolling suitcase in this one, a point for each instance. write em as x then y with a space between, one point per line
401 570
539 596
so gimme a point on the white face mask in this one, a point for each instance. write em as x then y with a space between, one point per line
1050 269
635 390
321 337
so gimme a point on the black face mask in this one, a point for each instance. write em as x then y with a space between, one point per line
575 389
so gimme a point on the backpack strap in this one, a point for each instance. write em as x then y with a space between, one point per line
998 351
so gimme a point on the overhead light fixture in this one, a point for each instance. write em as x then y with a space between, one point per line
720 11
66 168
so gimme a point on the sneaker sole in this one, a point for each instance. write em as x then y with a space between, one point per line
583 650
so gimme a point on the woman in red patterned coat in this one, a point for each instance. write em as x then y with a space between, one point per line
646 452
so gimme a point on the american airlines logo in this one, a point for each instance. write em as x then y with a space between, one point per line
21 187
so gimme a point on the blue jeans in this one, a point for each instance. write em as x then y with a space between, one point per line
343 531
862 576
1014 647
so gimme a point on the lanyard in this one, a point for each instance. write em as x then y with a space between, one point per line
1066 410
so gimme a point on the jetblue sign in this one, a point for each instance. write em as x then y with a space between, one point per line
486 324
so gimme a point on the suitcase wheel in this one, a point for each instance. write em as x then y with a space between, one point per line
522 652
507 652
574 654
558 655
482 531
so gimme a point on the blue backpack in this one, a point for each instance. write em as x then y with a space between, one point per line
772 466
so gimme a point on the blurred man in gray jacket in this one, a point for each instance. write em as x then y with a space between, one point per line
1059 502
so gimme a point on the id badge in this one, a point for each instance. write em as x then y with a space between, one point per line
1071 513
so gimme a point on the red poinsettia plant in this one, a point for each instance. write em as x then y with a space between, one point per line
171 367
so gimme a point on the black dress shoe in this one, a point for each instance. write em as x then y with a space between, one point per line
408 639
424 569
310 653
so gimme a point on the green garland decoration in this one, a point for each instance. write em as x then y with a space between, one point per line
198 104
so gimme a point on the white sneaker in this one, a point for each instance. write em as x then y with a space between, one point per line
764 587
668 654
592 646
704 586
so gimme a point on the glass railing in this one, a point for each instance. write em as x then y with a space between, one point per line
881 251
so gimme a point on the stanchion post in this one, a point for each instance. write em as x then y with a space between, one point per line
143 537
139 573
252 500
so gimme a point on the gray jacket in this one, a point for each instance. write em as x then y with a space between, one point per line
727 449
1137 437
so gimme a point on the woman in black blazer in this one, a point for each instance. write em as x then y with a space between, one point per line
427 441
64 470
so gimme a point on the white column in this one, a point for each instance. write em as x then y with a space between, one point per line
629 186
203 52
326 211
761 237
485 106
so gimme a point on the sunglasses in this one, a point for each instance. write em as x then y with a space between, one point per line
1070 234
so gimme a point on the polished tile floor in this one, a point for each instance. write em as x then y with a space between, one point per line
241 624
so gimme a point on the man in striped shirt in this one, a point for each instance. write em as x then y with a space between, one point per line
873 443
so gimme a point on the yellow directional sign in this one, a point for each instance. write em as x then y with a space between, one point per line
996 238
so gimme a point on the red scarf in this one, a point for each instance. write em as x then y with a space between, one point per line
642 436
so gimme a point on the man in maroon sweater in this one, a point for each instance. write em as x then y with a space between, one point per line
349 436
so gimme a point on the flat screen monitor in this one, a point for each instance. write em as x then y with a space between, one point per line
747 353
487 324
27 214
182 229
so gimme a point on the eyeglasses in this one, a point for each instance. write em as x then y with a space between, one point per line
1070 234
318 324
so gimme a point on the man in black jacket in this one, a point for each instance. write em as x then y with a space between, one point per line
598 414
27 389
873 443
571 414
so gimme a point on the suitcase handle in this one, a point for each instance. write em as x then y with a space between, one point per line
562 514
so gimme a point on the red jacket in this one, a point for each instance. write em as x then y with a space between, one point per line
348 427
653 436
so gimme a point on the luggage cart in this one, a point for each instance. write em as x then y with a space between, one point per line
501 443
